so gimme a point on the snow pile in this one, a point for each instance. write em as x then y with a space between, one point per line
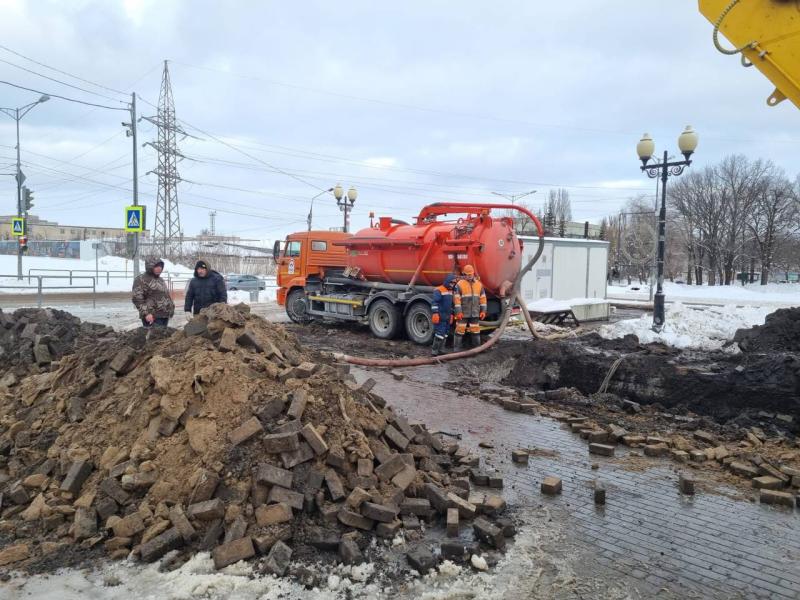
703 329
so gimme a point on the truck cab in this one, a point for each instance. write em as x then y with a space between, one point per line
306 254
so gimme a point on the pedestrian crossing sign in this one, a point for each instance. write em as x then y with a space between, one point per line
134 218
17 226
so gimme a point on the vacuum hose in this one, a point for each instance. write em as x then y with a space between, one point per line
507 302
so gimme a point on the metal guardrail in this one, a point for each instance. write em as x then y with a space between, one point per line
117 274
174 283
39 287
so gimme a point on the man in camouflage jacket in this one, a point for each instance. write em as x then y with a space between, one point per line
151 295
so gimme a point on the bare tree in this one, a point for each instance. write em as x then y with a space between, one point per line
775 219
523 224
738 180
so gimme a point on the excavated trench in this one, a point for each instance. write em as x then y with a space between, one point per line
764 377
719 385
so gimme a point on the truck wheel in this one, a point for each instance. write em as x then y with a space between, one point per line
384 319
296 306
418 323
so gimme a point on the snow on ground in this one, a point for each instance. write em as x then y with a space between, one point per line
267 295
706 328
119 270
120 274
776 294
526 570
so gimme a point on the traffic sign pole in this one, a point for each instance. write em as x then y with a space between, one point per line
135 183
19 199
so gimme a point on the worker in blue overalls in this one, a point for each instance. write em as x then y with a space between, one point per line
442 313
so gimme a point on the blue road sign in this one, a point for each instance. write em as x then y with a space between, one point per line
17 226
134 218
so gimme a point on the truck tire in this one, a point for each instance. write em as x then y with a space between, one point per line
296 306
419 327
384 319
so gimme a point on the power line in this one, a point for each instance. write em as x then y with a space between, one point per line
378 182
62 97
250 156
311 156
559 126
75 87
64 72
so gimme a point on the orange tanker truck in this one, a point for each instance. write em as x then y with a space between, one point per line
385 275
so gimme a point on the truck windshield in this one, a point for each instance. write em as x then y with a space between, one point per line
292 249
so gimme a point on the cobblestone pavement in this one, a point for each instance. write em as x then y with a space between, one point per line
648 538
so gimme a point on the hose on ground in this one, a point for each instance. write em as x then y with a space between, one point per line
507 303
607 380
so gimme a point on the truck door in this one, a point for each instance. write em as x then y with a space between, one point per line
290 264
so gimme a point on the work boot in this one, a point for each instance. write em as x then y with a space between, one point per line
475 339
436 349
458 342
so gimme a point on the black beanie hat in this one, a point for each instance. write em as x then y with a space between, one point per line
201 264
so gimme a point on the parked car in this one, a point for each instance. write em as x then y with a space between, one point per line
244 282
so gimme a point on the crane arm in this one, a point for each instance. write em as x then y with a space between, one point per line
767 34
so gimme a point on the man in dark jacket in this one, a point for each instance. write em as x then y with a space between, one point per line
206 288
151 295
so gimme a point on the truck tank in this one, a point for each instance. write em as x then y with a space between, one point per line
425 252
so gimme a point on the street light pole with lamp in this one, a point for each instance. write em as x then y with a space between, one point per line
687 143
311 208
514 197
345 204
17 114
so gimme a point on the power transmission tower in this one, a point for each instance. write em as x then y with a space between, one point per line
167 231
213 215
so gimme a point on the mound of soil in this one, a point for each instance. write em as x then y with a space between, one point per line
779 333
227 436
32 338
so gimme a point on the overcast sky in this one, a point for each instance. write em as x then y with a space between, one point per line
411 102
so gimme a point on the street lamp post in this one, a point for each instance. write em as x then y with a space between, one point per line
514 197
17 114
345 204
311 208
687 143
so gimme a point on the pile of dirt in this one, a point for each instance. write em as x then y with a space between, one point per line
32 338
779 333
227 436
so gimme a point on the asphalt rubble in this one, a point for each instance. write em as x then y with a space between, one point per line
227 437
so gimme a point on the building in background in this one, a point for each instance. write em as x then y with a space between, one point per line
40 229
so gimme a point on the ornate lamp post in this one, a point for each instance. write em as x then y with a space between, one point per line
687 143
345 204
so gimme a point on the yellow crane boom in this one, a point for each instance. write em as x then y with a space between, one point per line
767 35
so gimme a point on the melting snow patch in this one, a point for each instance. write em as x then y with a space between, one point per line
449 569
479 562
703 329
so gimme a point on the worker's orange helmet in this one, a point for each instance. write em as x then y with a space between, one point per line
468 270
